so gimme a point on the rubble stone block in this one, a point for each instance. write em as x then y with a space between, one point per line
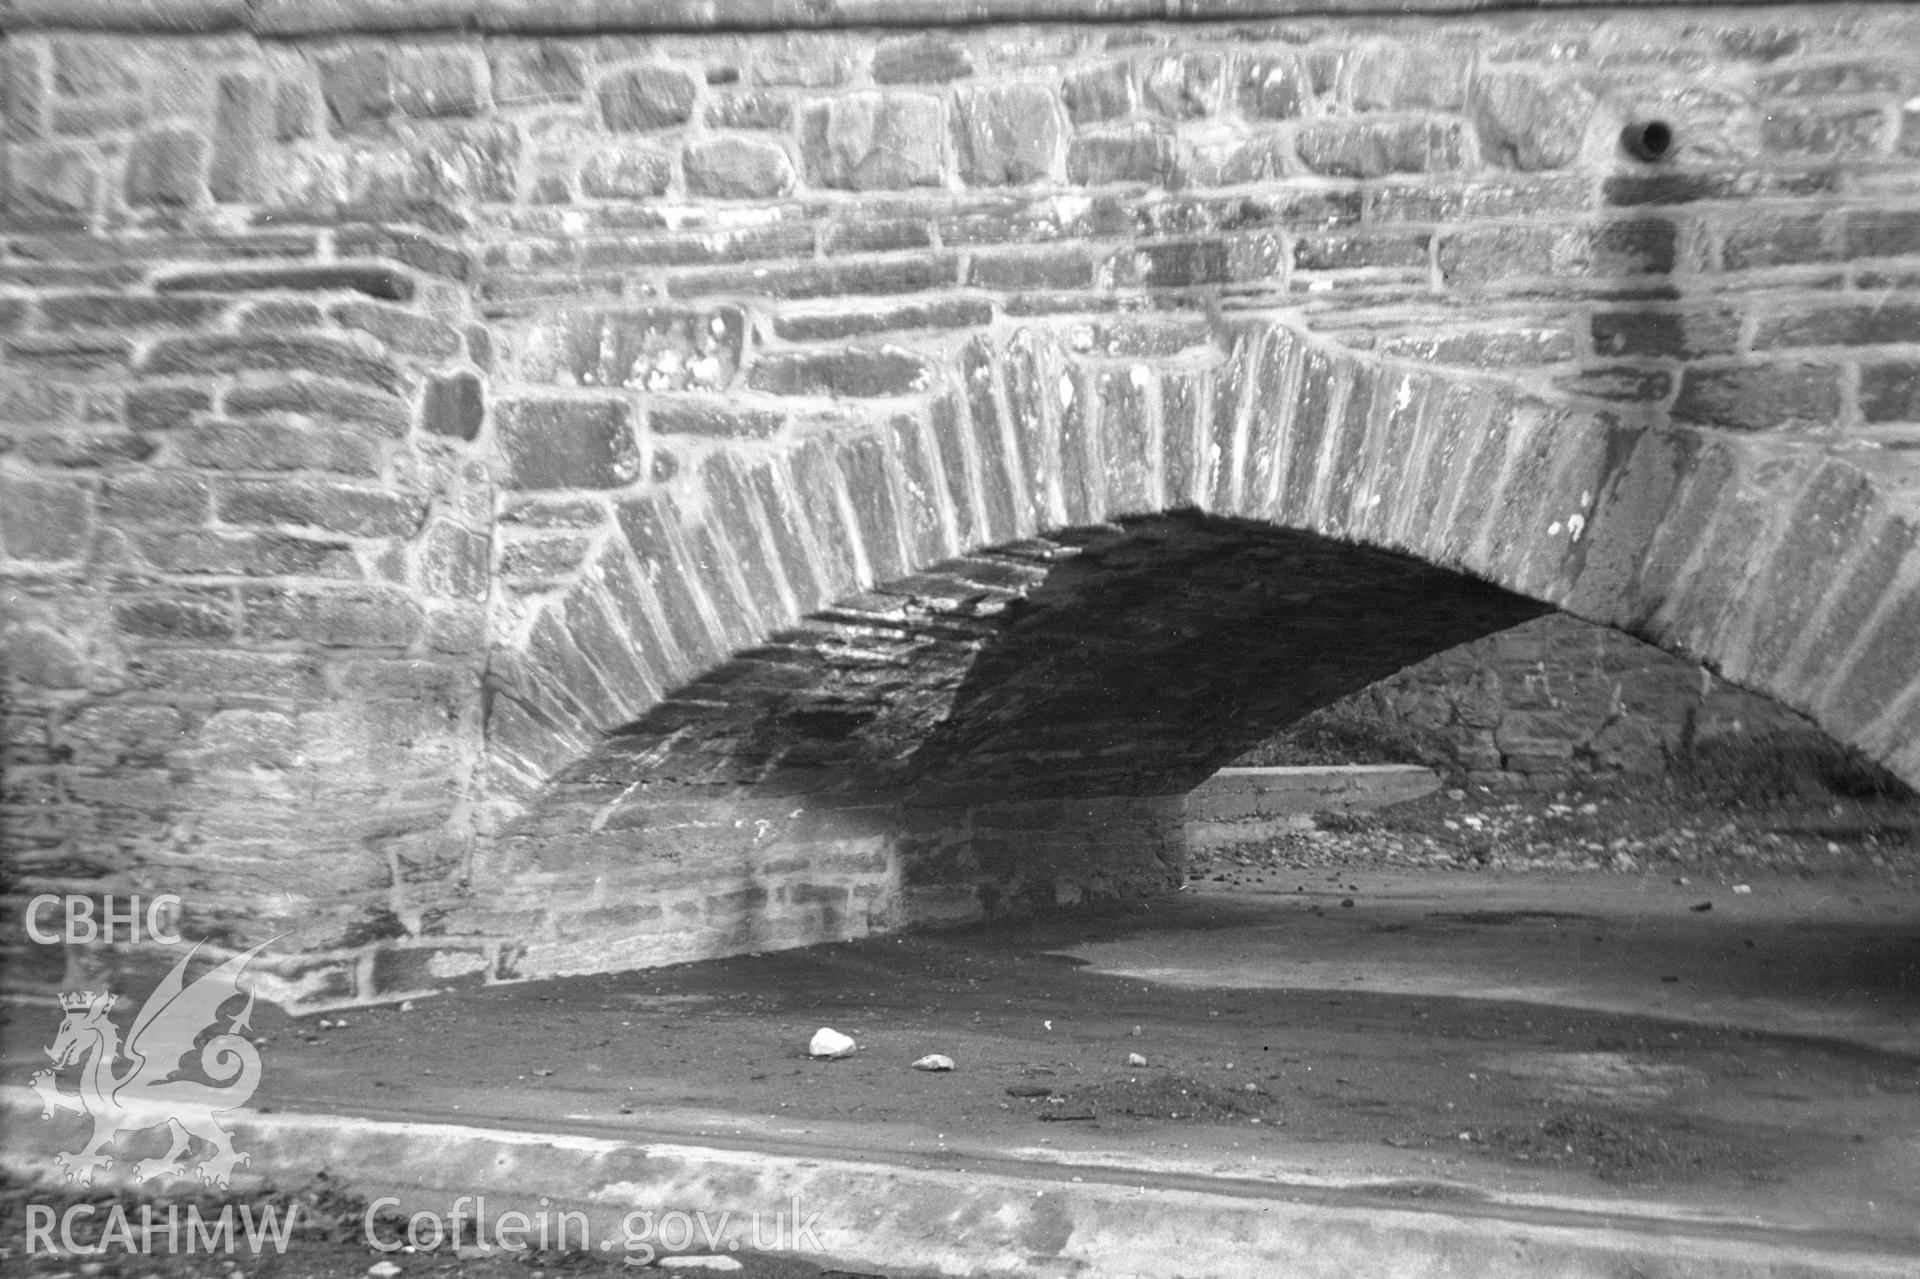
452 562
42 519
1820 131
717 419
407 332
1374 150
92 69
121 311
542 561
356 87
625 174
1339 252
318 401
1008 135
875 141
922 59
737 169
215 354
206 551
1637 246
1026 269
364 87
296 107
52 178
661 348
1890 391
1872 324
1273 88
120 731
955 313
859 372
568 444
155 497
647 98
366 617
1408 76
429 82
1140 154
1528 122
256 445
1760 397
1778 239
1186 86
242 132
454 406
88 451
23 95
1103 92
535 73
337 507
177 615
749 109
1624 383
41 657
420 250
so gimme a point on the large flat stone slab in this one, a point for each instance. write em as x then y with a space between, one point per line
1238 804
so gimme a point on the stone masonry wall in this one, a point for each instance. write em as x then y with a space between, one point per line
397 400
1555 699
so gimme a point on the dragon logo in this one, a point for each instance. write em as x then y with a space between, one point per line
147 1094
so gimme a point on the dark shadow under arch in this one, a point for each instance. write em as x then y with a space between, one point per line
1006 731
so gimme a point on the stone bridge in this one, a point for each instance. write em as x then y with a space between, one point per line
504 488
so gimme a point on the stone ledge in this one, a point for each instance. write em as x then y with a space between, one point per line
1238 804
282 18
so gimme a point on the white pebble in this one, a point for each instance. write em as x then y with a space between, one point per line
688 1261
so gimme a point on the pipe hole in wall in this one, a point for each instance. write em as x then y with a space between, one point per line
1648 140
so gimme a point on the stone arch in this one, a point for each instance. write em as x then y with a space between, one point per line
1782 566
374 368
1782 563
